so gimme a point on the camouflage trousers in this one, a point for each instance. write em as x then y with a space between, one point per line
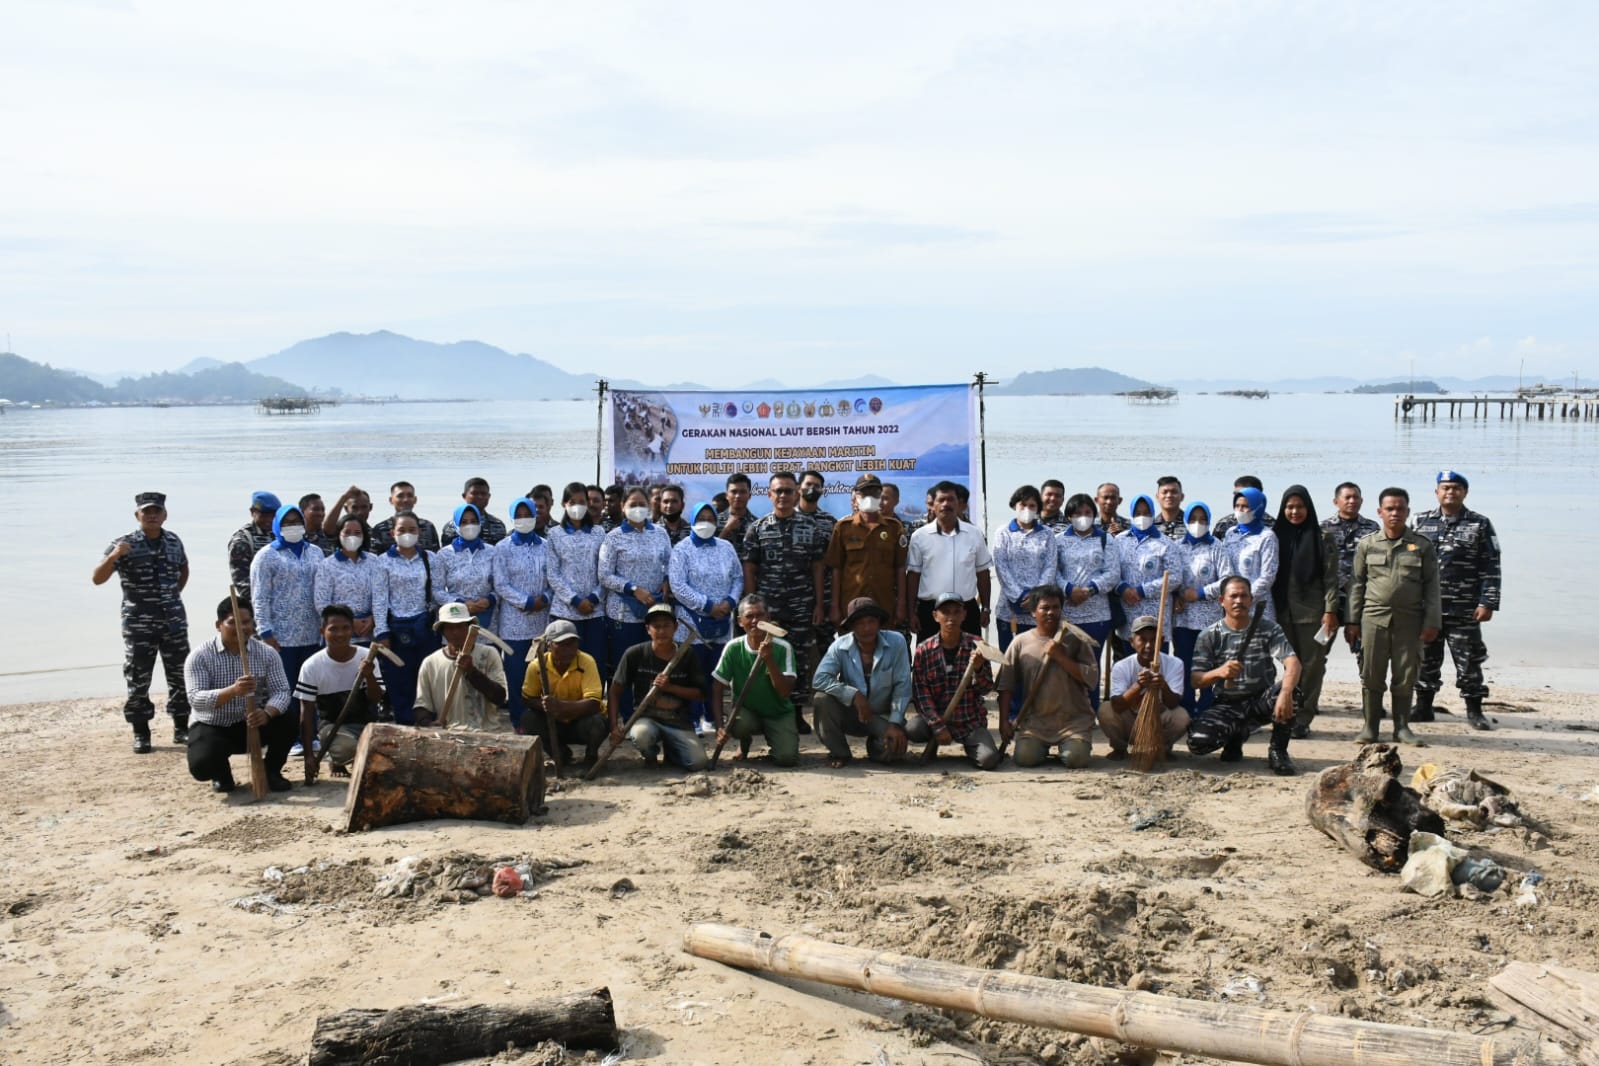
1464 638
138 666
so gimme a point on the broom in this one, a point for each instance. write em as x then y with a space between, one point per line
1149 733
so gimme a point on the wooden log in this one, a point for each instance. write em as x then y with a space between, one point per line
1143 1019
1568 999
424 1036
401 774
1362 806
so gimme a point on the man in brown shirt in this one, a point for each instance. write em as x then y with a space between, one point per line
1061 715
867 554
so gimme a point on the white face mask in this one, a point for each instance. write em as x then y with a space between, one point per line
1026 515
352 543
577 511
292 534
870 504
705 530
1197 529
468 532
525 525
1083 523
638 515
1142 522
1244 516
407 540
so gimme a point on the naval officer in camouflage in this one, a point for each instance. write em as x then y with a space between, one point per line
250 539
1468 581
153 568
1394 610
783 563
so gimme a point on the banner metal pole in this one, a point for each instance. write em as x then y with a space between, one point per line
982 443
600 386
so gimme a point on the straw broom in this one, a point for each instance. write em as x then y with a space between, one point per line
1149 733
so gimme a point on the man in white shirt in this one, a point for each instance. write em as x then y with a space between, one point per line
948 556
1135 675
328 678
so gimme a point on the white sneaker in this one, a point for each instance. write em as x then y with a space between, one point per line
297 750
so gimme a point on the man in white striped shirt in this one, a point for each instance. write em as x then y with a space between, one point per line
218 693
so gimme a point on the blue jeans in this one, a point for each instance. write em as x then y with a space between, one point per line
515 673
1100 631
622 636
1005 638
1183 641
709 655
593 633
682 746
412 640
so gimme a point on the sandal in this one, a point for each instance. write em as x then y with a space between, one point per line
837 764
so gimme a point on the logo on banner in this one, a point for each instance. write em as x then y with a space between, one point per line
876 405
764 410
731 408
860 407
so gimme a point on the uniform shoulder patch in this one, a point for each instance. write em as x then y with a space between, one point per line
1412 547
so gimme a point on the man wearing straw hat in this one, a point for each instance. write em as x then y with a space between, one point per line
481 701
1135 675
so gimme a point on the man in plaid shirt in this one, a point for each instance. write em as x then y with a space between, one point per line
940 664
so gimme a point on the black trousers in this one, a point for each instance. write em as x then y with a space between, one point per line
210 745
927 625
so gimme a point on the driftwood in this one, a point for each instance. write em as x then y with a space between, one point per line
1565 998
424 1036
1143 1019
401 774
1362 806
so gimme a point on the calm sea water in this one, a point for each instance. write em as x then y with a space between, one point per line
68 479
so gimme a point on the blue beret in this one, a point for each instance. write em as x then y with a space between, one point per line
264 501
1453 475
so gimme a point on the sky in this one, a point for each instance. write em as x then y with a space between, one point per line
920 190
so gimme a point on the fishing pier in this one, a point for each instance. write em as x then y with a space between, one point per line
1580 406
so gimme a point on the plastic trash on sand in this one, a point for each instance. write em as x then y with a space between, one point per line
1432 862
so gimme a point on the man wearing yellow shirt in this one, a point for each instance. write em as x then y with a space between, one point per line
576 699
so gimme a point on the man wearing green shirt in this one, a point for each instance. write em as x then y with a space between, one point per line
766 664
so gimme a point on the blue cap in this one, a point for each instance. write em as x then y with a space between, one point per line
1453 475
264 501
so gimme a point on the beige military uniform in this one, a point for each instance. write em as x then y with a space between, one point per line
1393 596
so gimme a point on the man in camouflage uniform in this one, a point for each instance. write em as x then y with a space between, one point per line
1468 581
1348 526
1394 608
783 563
811 486
243 545
153 568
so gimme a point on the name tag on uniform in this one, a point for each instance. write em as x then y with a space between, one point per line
1412 547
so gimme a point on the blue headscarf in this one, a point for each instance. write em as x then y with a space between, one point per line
277 528
1132 512
460 543
703 505
1257 504
521 538
1188 516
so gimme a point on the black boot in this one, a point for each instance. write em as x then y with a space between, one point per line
1277 755
1422 711
1233 750
1474 716
141 738
180 730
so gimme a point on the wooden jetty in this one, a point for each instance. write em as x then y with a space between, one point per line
1154 395
290 405
1580 406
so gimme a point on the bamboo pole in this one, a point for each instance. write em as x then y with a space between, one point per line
1143 1019
252 734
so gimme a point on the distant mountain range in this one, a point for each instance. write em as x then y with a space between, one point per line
1077 381
24 381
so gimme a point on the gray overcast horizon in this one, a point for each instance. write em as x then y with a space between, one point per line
1171 189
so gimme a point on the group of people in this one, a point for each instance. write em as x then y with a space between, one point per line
711 620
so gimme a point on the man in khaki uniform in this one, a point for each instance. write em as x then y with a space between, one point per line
867 554
1395 608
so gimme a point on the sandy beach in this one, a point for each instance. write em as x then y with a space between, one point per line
130 933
